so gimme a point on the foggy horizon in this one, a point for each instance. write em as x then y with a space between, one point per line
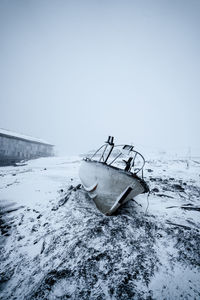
74 72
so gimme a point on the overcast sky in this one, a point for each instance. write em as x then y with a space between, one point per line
72 72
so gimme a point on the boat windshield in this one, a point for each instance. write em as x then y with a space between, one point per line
121 156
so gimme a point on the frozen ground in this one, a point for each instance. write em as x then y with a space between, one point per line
56 245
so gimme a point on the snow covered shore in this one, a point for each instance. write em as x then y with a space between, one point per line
56 245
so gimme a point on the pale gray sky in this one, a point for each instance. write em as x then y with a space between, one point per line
72 72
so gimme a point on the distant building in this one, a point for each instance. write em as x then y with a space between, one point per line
15 147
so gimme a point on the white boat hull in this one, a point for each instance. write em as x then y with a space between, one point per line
108 186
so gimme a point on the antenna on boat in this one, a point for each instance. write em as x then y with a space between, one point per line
109 142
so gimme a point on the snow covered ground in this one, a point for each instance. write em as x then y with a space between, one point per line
55 244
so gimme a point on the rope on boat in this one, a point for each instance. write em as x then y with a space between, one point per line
147 203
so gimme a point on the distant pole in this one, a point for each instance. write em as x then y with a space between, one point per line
188 157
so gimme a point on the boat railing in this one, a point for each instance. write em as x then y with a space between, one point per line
109 150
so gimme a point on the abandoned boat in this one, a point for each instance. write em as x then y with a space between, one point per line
110 179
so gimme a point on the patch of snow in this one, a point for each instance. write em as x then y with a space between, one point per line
55 243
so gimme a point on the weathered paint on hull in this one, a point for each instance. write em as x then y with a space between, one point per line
107 185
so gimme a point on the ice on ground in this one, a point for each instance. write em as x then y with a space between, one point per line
55 244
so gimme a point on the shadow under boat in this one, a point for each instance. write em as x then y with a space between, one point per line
107 181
